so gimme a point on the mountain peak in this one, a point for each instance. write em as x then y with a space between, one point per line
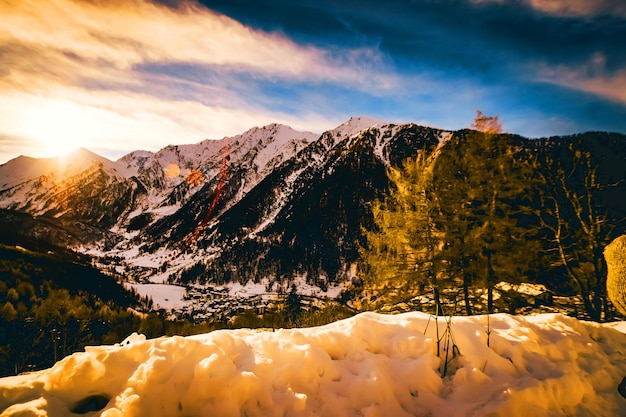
24 168
83 154
356 124
278 131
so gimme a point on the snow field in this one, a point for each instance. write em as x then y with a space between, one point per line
369 365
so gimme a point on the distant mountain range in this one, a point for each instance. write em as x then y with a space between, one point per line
267 205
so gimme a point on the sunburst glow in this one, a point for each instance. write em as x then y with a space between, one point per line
59 127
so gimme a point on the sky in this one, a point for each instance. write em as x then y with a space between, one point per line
121 75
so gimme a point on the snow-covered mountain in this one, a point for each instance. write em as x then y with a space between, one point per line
87 187
165 194
255 212
269 203
81 186
306 217
301 218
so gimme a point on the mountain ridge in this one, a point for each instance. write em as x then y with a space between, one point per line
267 206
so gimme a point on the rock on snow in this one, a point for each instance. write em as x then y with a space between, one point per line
368 365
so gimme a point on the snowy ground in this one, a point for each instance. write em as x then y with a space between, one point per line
149 274
203 301
168 297
368 365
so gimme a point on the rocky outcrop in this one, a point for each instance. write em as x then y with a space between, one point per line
615 256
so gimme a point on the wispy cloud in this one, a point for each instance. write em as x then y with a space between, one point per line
570 7
568 43
125 34
96 74
591 77
580 7
611 86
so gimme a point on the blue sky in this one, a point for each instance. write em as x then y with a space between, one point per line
118 76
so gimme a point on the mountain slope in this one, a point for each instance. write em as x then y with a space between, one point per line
81 186
270 205
307 216
141 187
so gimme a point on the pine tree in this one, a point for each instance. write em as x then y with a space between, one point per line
458 214
402 253
293 305
485 186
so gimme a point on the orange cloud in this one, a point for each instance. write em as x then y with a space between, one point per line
609 86
71 74
113 123
579 7
126 34
590 77
571 7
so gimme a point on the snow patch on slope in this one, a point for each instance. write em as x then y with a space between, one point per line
164 296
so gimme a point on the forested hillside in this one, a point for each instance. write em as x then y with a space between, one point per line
54 304
51 306
487 207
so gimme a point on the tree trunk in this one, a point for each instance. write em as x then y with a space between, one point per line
590 308
599 294
468 305
489 283
437 301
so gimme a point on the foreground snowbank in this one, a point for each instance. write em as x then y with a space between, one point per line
369 365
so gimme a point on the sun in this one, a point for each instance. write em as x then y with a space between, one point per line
58 127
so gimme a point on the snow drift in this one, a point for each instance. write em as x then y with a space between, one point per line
368 365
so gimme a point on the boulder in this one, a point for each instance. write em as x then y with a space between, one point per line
615 256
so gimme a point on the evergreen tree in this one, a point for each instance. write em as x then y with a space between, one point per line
293 304
485 186
402 256
458 214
